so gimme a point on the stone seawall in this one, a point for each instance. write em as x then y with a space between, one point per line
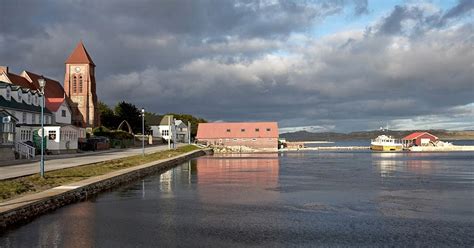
24 209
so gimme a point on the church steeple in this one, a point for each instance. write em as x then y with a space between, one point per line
79 56
80 87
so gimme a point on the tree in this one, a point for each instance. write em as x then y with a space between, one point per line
194 121
130 113
107 116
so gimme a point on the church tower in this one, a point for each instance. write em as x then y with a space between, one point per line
80 88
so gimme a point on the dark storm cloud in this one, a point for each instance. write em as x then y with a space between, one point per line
253 60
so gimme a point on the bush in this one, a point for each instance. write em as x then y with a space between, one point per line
119 134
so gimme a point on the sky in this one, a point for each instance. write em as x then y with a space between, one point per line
315 65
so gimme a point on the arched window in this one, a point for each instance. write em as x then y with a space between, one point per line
74 84
80 84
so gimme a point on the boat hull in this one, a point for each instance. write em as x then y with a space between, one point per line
386 148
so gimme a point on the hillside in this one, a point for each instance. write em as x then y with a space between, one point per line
367 135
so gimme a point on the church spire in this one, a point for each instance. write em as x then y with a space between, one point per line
79 56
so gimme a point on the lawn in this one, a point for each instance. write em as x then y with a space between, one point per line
10 188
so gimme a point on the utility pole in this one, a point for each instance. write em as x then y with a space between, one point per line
169 132
143 132
189 132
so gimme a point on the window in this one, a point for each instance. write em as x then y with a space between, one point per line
242 130
52 134
29 98
235 139
19 95
228 130
24 117
164 132
269 129
80 84
8 93
74 84
257 129
33 118
63 113
254 139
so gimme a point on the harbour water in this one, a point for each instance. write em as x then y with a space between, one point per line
276 200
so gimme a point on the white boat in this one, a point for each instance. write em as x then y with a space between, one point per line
386 143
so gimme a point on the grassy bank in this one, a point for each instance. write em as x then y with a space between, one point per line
11 188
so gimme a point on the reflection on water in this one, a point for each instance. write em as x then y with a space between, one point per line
275 200
241 178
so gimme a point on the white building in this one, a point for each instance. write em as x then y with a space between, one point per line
165 129
182 132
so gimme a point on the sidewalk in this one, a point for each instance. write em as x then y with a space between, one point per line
70 160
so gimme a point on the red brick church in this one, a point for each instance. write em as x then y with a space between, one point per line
80 88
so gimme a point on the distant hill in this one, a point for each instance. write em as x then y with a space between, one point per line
367 135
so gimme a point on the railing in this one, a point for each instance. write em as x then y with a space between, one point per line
25 150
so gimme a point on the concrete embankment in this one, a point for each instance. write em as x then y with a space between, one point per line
26 208
441 148
327 148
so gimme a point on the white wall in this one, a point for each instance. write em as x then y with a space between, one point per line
59 117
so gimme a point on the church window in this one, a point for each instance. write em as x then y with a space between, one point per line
80 84
74 84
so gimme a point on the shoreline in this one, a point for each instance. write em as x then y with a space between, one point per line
26 208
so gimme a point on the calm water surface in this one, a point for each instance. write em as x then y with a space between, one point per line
276 200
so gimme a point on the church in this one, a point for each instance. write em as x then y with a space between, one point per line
80 88
69 111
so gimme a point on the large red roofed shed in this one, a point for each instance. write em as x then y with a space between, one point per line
419 139
256 135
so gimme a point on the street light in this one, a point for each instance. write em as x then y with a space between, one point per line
42 84
143 131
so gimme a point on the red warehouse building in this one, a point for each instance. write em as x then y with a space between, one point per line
261 136
419 139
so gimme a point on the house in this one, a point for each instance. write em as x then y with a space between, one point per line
165 128
238 136
55 98
182 131
23 103
419 139
7 135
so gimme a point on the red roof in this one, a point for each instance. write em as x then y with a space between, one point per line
416 135
219 130
53 88
79 56
53 104
20 81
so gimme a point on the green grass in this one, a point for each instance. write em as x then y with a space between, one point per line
10 188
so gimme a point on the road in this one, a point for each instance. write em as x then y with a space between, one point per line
60 163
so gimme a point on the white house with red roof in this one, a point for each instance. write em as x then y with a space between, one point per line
419 139
56 101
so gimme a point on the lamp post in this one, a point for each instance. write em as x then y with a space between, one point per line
42 84
143 131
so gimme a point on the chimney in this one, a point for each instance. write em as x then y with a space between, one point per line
3 69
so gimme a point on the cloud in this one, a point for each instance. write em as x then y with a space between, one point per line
257 60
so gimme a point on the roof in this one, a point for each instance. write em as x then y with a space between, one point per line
53 104
52 89
79 56
20 81
219 130
416 135
13 104
164 120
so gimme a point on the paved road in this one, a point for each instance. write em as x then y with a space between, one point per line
60 163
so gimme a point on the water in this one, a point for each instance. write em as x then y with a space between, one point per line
276 200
